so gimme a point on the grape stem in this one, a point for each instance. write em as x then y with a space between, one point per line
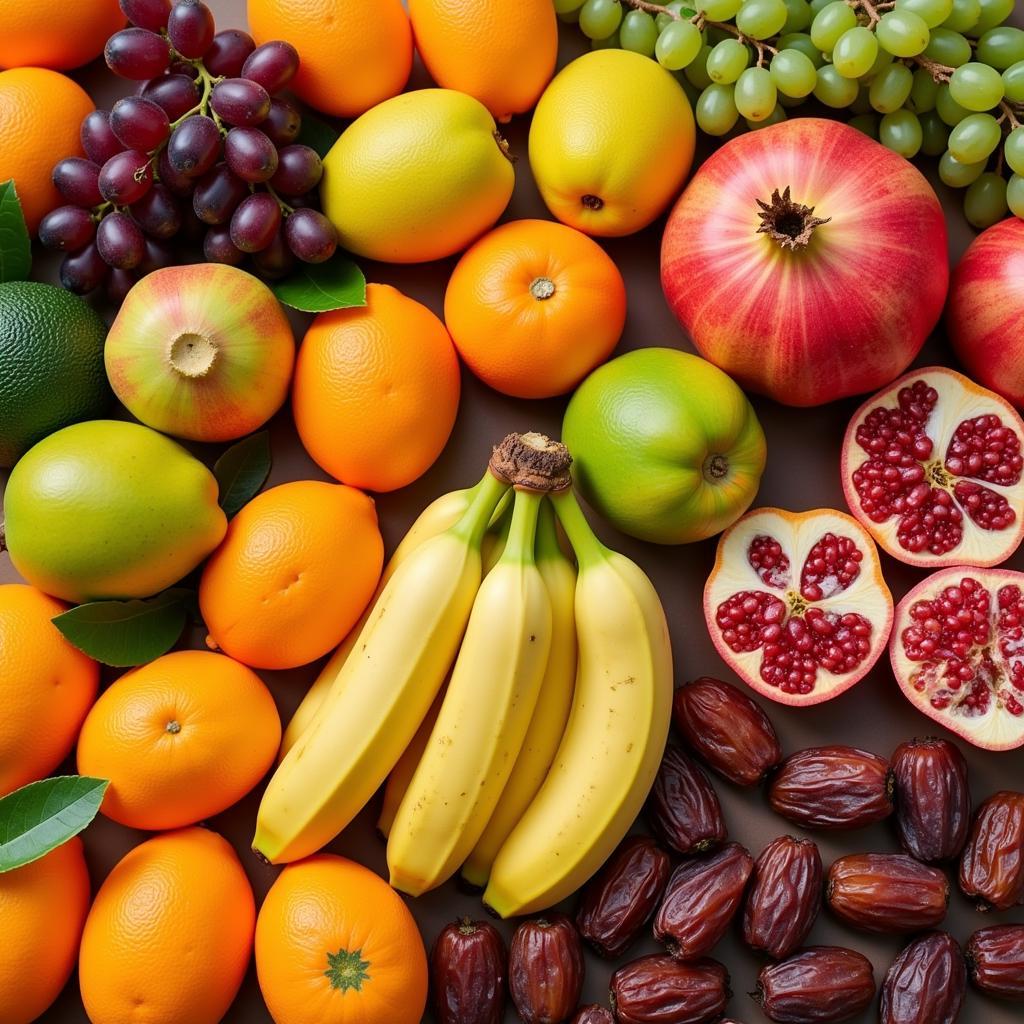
285 208
870 9
942 73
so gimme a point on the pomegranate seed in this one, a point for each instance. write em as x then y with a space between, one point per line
769 561
830 567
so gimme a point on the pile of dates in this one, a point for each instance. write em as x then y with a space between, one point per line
690 885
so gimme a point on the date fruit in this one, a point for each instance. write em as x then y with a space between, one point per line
832 787
926 983
819 985
784 898
659 990
593 1014
887 892
995 957
545 969
619 901
467 974
729 732
683 807
933 803
992 867
702 897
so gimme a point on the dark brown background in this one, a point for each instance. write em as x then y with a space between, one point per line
802 473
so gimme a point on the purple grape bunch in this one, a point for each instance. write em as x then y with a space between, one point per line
205 152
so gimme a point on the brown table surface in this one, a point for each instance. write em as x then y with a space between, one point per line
799 475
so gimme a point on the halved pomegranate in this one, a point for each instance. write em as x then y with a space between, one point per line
957 652
796 603
932 468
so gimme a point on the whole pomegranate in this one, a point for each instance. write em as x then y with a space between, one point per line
807 261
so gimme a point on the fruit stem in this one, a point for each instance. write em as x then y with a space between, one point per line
473 524
542 288
715 467
788 223
582 538
532 461
548 546
523 531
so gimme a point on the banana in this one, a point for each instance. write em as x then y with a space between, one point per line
484 717
382 693
614 739
553 704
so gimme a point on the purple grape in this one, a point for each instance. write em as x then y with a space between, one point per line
227 53
276 260
299 170
84 270
68 229
139 123
98 139
217 195
158 212
283 123
240 102
182 67
137 53
120 241
77 180
311 236
190 28
218 247
126 177
179 184
250 154
158 255
273 65
195 146
255 222
175 94
151 14
119 284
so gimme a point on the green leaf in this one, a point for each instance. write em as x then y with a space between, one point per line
317 287
317 134
15 249
242 470
41 816
125 633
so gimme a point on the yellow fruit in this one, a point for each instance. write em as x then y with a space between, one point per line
611 142
418 177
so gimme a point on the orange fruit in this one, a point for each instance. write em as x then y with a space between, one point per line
169 935
299 564
335 944
42 907
376 390
534 306
180 739
47 687
41 114
55 34
503 55
352 55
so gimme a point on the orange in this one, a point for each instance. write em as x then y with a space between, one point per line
46 687
55 34
503 55
42 907
352 55
534 306
376 390
335 944
181 739
41 114
169 935
297 568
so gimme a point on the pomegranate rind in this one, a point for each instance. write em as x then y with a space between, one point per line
798 532
996 728
960 399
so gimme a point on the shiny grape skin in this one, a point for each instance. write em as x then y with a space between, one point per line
83 271
98 138
137 53
139 123
228 52
250 154
77 180
176 94
240 102
67 229
311 236
255 222
273 65
158 212
218 247
151 14
299 170
194 146
191 28
217 195
277 260
283 123
126 178
120 241
179 184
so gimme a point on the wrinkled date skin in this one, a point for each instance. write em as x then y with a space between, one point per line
702 897
545 969
683 807
819 985
593 1014
659 990
620 900
887 892
467 974
832 788
729 732
926 983
784 898
992 867
995 957
933 802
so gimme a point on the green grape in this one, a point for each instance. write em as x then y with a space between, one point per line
830 24
862 102
949 48
567 6
802 42
1013 150
793 73
890 90
948 109
716 110
931 12
855 52
975 138
881 62
697 70
713 35
609 43
958 175
760 19
777 115
719 10
1015 195
663 20
570 17
678 45
900 131
1013 82
791 101
923 92
798 17
1001 47
964 16
818 5
934 134
638 33
985 201
976 86
902 33
727 61
756 94
600 18
866 123
993 12
833 90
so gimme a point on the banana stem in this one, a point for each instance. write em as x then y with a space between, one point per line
486 495
582 538
548 546
523 531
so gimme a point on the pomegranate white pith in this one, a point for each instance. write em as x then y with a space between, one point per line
957 652
796 603
932 466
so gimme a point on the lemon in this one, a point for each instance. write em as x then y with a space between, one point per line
611 142
417 178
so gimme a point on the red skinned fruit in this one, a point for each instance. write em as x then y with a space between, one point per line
659 990
545 970
819 985
995 959
683 807
467 974
926 983
593 1014
992 867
